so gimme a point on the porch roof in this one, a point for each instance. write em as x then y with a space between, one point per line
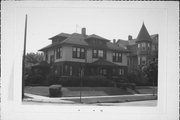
103 62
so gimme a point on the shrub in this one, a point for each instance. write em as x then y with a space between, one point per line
138 78
36 79
55 91
52 79
88 81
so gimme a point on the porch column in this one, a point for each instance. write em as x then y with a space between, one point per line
62 70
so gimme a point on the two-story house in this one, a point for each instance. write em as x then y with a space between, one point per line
143 48
81 54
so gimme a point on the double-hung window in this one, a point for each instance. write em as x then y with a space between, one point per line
95 53
58 53
99 53
78 53
143 46
117 57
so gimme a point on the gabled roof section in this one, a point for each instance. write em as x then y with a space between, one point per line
123 42
97 37
115 47
143 35
66 35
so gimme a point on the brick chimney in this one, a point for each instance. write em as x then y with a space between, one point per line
114 40
83 31
130 37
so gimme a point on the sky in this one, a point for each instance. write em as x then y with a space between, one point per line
110 23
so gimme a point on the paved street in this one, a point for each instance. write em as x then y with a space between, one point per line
137 103
116 100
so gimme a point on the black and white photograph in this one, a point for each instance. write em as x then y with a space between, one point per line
91 57
87 55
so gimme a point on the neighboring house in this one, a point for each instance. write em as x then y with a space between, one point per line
81 54
143 48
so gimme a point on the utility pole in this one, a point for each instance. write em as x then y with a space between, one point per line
80 85
23 59
82 73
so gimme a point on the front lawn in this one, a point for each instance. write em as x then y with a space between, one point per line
75 91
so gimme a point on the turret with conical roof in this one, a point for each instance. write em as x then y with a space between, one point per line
143 35
144 45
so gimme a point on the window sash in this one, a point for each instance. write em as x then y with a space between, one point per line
143 46
58 53
117 57
94 53
78 52
98 53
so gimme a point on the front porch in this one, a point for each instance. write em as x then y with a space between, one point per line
100 67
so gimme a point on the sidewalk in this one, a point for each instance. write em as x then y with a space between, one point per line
37 98
91 99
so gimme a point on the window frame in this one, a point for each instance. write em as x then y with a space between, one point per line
100 53
78 52
143 46
117 57
58 52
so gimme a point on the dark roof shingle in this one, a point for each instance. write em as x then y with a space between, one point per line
61 35
97 37
79 39
143 34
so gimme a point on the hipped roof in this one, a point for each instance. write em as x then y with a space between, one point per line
81 40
